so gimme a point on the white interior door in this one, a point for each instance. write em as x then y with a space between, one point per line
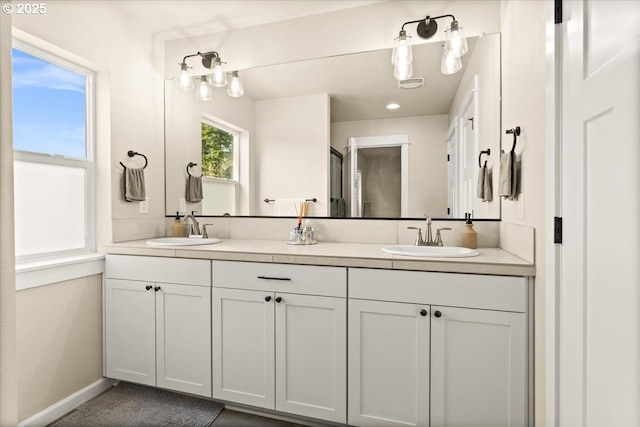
599 313
453 186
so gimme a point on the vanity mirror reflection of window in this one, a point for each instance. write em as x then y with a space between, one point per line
219 168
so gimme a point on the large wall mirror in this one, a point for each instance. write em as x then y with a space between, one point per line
321 129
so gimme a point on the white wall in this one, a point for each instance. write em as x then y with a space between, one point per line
485 63
427 156
292 152
183 115
129 111
60 342
345 31
523 104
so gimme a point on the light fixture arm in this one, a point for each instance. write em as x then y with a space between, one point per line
427 27
206 57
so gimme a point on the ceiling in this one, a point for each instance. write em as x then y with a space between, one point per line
171 19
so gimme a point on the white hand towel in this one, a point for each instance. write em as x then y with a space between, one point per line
481 176
193 192
288 207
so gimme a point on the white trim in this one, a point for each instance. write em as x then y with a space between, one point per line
68 404
41 273
553 191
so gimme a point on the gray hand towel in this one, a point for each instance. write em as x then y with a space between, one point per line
487 194
481 175
133 188
342 208
508 175
485 186
193 192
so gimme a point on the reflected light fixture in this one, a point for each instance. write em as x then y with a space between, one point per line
393 106
218 77
235 88
454 47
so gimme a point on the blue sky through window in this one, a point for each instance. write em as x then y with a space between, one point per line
49 107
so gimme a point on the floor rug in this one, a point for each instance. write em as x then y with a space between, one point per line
134 405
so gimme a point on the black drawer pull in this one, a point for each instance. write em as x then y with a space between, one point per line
148 287
437 313
267 298
157 288
278 299
273 278
423 312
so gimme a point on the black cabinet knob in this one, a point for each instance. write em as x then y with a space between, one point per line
267 298
423 312
148 287
437 314
278 299
157 288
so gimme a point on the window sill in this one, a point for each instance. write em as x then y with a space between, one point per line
42 273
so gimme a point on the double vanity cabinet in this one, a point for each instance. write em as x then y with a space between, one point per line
357 346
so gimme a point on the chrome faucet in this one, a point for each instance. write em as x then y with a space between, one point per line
429 241
195 228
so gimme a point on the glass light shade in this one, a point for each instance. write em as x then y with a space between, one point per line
235 88
403 71
450 64
205 90
455 42
218 76
185 81
402 49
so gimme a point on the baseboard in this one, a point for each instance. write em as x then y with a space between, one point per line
68 404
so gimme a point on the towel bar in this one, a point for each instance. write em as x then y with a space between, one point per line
306 200
132 153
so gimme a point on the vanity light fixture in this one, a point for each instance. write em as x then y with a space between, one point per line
217 78
235 88
455 46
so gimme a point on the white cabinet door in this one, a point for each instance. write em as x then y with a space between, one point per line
478 361
183 338
243 346
311 356
388 364
130 331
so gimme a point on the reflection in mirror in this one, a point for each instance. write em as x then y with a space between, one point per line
297 119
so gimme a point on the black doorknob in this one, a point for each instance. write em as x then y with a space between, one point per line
148 287
267 298
278 299
437 314
423 312
157 288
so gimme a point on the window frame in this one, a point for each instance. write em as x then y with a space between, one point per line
87 163
236 157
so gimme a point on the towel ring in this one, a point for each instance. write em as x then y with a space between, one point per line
516 132
190 165
132 153
487 152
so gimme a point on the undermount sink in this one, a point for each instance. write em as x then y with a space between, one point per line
182 241
431 251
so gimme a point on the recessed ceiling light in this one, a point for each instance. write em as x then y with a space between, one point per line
393 106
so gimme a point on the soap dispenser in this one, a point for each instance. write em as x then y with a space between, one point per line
177 229
469 235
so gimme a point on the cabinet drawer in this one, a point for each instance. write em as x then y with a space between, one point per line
157 269
505 293
295 279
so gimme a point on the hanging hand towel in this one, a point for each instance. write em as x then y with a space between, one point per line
133 188
193 192
487 194
485 186
508 176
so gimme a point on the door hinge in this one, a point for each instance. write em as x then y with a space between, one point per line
448 158
557 229
557 11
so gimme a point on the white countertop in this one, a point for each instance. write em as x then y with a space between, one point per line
490 261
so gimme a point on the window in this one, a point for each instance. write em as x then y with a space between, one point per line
53 155
219 168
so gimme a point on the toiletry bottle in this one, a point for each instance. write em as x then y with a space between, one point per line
177 229
308 232
469 236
